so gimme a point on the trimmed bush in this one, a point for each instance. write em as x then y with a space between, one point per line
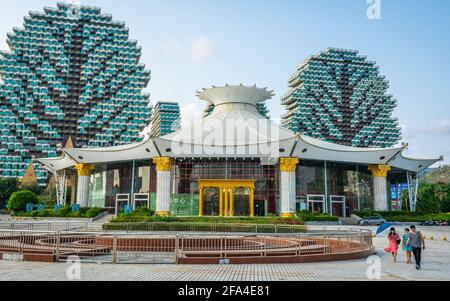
64 212
316 217
134 218
406 216
19 200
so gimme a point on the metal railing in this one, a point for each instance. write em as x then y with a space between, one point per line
85 226
154 248
205 227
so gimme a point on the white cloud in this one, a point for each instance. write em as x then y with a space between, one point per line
191 112
203 48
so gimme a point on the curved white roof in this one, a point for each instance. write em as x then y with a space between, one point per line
235 94
236 129
411 164
57 164
315 149
136 151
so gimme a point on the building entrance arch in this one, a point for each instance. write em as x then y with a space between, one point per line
235 197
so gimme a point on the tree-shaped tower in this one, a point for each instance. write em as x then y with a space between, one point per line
339 96
71 71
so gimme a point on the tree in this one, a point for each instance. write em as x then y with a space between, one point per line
19 200
33 187
7 187
431 197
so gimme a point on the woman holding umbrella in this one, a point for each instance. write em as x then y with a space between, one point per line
394 241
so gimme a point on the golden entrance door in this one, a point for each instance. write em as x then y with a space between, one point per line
235 197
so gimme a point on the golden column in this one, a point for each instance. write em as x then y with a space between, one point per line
226 201
163 169
221 192
252 202
232 202
200 201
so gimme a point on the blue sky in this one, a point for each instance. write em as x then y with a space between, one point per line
191 44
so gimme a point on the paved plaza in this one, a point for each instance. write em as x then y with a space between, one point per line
436 266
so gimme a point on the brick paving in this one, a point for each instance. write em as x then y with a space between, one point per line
436 266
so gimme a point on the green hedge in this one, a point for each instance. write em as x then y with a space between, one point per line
64 212
316 217
134 218
206 227
405 216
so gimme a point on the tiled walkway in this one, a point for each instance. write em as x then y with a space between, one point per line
436 266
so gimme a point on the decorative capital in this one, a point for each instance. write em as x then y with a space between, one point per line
287 214
163 163
84 170
379 170
163 213
288 164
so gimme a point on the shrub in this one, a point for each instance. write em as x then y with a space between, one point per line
33 187
316 217
47 201
19 200
93 212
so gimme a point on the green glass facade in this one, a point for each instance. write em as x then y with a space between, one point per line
166 118
71 72
340 97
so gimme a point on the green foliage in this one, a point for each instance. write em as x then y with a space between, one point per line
317 217
134 218
34 188
47 201
93 212
19 200
405 216
7 187
64 212
207 227
433 197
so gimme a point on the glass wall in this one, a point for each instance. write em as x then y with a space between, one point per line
335 188
109 180
187 172
310 185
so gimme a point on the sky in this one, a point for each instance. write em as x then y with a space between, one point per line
194 44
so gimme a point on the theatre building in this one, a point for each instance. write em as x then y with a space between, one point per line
236 162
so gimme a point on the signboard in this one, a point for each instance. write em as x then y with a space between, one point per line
397 190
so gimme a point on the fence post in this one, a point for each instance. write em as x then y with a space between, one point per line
21 243
86 226
114 259
176 248
225 246
58 239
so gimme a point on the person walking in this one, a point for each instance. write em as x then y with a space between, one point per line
407 246
418 244
394 241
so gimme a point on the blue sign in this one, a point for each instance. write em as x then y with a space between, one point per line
397 190
40 208
57 207
75 207
128 209
30 207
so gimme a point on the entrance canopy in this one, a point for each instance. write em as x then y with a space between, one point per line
235 129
